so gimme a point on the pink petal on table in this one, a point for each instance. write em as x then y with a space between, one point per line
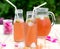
16 45
54 40
48 38
4 45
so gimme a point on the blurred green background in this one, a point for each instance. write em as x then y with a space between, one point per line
7 11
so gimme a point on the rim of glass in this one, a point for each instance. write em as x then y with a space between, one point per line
41 9
7 20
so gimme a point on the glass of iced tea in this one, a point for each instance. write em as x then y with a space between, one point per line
31 31
19 26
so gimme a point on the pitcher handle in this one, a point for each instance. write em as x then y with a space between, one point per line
53 17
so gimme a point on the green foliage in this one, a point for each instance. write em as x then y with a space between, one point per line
7 11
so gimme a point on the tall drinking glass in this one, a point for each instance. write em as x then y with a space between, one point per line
31 31
19 26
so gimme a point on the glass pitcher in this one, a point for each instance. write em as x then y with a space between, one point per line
43 22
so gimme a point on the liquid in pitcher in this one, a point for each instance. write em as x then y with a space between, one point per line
43 26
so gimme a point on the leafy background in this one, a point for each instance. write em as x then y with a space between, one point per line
7 11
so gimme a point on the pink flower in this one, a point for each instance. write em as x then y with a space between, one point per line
16 45
4 45
54 40
50 39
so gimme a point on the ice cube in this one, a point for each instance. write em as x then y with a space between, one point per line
33 45
30 23
21 44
